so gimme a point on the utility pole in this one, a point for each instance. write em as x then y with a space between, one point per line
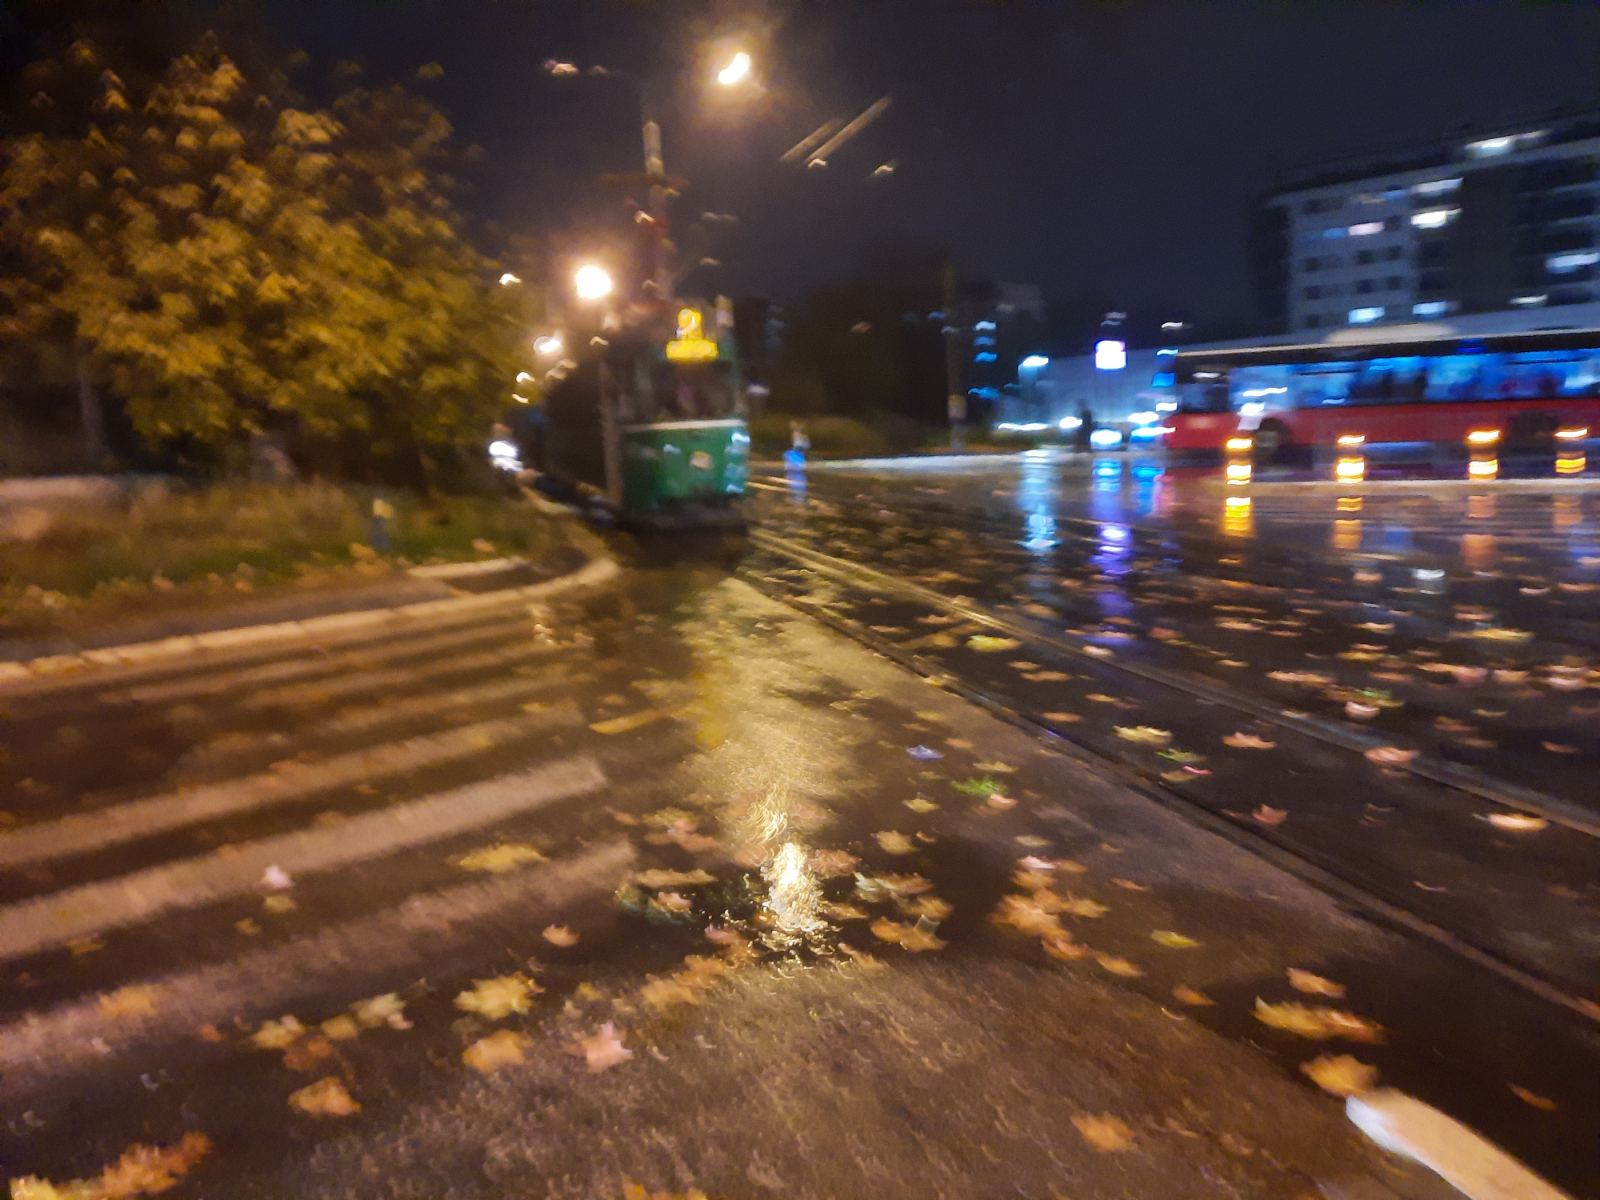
955 400
655 169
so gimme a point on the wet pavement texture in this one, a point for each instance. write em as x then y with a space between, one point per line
680 886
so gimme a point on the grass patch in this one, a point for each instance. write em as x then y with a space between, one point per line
161 550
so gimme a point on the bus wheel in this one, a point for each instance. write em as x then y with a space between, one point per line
1272 445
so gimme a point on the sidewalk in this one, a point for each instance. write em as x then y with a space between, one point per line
421 593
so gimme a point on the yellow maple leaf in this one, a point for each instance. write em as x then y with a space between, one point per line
1106 1133
499 858
498 997
1340 1074
327 1097
503 1048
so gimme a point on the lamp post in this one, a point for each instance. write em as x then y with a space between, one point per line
592 285
736 72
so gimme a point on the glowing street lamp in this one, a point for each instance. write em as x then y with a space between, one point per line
592 282
549 343
736 71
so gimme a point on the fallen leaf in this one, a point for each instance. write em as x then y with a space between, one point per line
1143 735
918 804
327 1097
664 878
1061 946
628 723
1027 914
498 997
387 1009
1129 885
894 842
1075 906
1061 718
1318 1024
1105 1133
278 905
342 1028
1390 756
1184 994
1542 1103
914 938
499 858
1340 1074
560 935
603 1049
1517 822
990 645
1265 814
1118 966
276 1035
307 1053
999 802
141 1171
132 1001
1173 941
995 768
1247 741
503 1048
1314 985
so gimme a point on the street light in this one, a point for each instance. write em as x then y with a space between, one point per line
549 343
592 282
736 71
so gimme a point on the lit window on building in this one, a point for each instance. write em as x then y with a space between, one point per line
1430 308
1565 264
1531 300
1434 218
1495 146
1436 187
1365 228
1366 315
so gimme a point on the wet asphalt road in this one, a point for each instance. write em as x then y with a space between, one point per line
766 859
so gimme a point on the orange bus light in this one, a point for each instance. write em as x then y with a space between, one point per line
1352 439
1238 445
1483 437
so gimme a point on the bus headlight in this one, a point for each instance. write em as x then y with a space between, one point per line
1483 437
1238 445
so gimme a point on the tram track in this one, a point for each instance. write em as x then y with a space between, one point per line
1383 898
1260 567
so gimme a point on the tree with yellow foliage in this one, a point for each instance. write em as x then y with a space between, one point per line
231 261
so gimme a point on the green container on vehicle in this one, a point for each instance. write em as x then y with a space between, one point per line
668 464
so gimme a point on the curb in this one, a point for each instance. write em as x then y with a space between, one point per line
597 572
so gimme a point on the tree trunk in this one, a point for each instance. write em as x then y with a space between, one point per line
91 414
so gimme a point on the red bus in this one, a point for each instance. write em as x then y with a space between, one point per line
1513 391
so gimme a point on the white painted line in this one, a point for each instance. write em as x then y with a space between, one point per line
1472 1165
311 662
32 925
358 958
368 719
459 570
84 832
322 691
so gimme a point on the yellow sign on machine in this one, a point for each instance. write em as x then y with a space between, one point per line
691 344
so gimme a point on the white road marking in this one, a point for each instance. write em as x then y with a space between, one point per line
36 924
356 958
88 831
1471 1164
413 677
309 660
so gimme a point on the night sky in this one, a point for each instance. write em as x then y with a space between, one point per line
1104 151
